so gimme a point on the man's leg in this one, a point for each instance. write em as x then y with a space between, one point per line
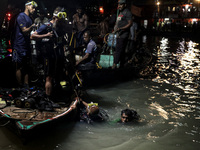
26 79
19 76
122 54
118 51
48 85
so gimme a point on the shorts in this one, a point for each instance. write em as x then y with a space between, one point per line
49 67
21 61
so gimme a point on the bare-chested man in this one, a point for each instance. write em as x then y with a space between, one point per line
80 24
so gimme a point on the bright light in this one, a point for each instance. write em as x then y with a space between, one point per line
9 16
186 7
101 10
158 3
166 19
194 20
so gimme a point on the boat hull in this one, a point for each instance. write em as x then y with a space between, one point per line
26 122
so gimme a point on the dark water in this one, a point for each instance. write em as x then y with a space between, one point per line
169 106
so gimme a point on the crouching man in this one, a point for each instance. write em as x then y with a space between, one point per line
90 53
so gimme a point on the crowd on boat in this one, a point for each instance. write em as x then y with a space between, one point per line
49 39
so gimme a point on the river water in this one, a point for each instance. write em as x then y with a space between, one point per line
168 104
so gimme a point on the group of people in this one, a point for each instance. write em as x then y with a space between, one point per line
51 42
50 37
91 112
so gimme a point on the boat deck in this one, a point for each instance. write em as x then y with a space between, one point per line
31 114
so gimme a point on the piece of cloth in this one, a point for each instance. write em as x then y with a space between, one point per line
21 43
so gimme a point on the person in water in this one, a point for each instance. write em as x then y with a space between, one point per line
90 112
127 115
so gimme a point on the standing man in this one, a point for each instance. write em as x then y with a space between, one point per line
21 43
80 25
122 28
51 44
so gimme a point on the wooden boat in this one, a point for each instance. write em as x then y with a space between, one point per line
26 121
138 64
102 73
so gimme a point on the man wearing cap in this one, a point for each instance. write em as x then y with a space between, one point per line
122 28
80 24
51 44
21 42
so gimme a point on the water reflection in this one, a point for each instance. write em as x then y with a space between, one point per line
168 104
179 71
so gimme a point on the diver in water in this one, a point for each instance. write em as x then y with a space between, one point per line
90 112
127 116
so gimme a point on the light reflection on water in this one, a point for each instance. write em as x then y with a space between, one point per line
180 71
169 106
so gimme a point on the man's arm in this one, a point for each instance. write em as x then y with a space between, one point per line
84 58
35 35
86 21
21 21
27 30
126 26
84 103
74 23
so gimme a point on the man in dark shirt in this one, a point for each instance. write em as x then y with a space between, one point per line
21 43
122 28
51 45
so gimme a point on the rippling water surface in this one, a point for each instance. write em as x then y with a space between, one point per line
169 106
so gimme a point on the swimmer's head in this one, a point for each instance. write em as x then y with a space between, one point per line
126 115
92 109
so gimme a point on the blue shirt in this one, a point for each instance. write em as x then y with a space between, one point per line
43 29
92 50
22 41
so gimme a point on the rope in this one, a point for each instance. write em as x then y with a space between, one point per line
3 125
98 66
78 79
105 38
36 113
71 39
